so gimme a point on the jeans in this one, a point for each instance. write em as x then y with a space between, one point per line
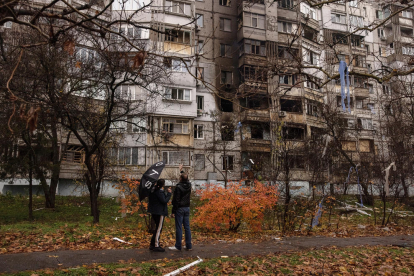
182 216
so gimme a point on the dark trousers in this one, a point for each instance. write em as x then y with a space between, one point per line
159 222
182 217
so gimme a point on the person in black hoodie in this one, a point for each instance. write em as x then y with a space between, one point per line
181 211
157 207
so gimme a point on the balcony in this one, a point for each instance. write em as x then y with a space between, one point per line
249 59
256 145
247 88
361 92
256 115
178 48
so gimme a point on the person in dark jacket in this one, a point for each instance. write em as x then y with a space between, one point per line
157 207
181 211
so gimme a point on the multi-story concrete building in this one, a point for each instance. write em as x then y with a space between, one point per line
246 75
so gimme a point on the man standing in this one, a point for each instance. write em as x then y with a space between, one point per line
181 211
157 207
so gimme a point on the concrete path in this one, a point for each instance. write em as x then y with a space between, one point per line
68 258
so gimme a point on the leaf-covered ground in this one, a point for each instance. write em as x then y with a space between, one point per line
69 226
376 260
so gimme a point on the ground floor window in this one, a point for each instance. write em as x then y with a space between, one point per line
176 157
128 156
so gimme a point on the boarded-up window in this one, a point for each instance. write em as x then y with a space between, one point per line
364 145
73 154
349 145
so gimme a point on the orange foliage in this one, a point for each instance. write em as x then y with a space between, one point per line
130 201
235 205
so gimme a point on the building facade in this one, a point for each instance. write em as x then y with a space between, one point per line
247 89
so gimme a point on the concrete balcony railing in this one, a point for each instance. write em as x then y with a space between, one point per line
256 115
256 145
253 87
361 92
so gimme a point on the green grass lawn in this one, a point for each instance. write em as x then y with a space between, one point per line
69 226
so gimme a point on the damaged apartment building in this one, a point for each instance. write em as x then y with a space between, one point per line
237 88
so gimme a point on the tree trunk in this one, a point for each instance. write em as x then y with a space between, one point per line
31 188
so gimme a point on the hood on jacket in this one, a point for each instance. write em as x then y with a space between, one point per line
184 186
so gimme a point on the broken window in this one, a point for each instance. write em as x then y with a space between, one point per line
293 133
287 53
253 74
226 77
225 3
359 61
226 105
364 123
291 105
313 83
200 73
178 36
312 108
357 41
286 4
176 157
287 79
258 131
199 163
296 162
227 133
256 102
199 47
73 154
309 33
339 38
227 162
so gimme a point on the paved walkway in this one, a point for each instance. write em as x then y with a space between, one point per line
68 258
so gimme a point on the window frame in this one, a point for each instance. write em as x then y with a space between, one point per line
223 20
254 16
197 159
227 50
168 125
199 132
199 17
168 163
171 94
200 102
227 165
225 80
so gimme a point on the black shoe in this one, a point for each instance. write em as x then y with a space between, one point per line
151 248
158 249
